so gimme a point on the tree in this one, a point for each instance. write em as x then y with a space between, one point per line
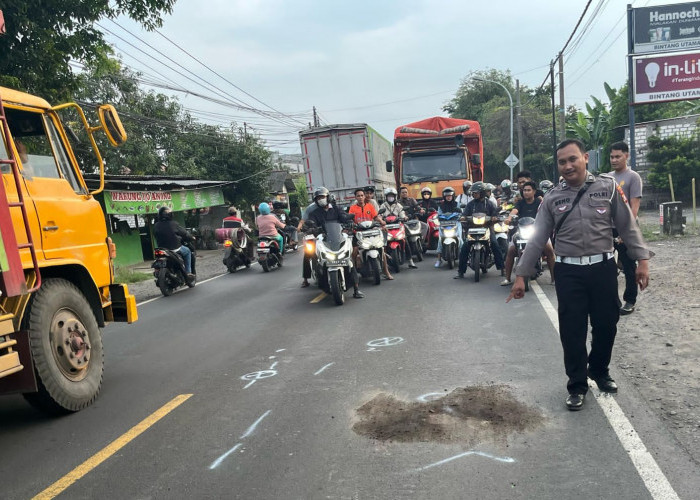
44 36
677 156
591 127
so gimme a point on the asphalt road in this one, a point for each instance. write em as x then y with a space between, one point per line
276 380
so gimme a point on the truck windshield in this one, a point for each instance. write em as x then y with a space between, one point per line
443 165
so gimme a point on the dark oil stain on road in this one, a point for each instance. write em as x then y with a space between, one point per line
466 415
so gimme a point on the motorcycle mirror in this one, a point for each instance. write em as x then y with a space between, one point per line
462 205
382 210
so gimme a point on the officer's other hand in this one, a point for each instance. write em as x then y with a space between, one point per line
642 274
518 290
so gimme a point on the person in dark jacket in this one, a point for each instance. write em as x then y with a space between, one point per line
169 234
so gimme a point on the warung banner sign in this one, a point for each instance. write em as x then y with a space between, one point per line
148 202
667 77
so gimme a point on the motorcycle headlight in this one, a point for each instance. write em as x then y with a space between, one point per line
310 247
479 221
228 243
449 232
527 232
499 228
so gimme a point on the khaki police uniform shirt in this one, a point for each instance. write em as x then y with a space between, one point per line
588 229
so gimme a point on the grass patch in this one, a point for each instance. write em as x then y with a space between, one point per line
127 275
652 233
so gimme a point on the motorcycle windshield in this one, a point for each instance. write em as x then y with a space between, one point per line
334 235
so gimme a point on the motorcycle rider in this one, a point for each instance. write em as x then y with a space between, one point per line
546 185
506 188
169 234
306 263
369 197
480 204
447 206
267 225
410 205
279 208
326 211
489 194
465 197
234 219
393 207
363 211
527 207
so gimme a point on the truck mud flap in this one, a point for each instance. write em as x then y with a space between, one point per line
123 305
24 380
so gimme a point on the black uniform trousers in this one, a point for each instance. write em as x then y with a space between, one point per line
583 292
629 267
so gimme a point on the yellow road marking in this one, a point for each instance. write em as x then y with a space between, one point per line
319 297
59 486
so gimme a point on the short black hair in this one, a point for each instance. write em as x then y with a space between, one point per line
524 173
620 146
360 189
369 189
568 142
402 188
532 184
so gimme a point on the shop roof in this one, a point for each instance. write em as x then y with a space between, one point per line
149 182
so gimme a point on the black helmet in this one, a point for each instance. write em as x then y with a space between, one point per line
321 191
448 190
546 185
477 187
369 189
164 213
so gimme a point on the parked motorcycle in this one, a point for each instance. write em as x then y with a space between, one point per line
479 237
370 243
451 228
525 231
269 255
395 242
236 249
414 238
334 266
169 269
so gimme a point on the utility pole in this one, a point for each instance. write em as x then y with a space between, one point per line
562 104
518 116
245 132
316 124
554 124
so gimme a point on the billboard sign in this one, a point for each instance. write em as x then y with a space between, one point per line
149 202
667 28
667 77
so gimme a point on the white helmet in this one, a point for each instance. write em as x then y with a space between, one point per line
390 192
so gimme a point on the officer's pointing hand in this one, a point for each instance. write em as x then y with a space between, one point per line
518 290
642 274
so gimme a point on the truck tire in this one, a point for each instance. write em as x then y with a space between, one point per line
376 273
66 346
336 289
165 289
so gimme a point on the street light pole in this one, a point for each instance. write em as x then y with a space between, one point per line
510 98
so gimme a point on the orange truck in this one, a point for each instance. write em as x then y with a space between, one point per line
56 261
437 152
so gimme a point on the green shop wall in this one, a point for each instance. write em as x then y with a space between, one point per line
128 248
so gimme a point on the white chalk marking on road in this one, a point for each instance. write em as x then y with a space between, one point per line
251 429
508 460
430 396
218 461
654 479
319 298
384 342
280 350
272 357
259 375
323 368
273 365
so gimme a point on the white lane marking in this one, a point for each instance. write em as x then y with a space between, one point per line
273 365
218 461
280 350
508 460
323 368
251 429
654 479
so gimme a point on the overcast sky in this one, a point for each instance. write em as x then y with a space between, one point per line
385 63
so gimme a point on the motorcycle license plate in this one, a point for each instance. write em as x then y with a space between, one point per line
521 242
478 231
367 234
263 250
336 263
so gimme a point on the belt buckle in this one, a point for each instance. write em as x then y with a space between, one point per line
586 260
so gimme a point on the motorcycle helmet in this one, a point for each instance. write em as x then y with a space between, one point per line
489 187
164 213
477 188
426 190
264 209
466 185
369 189
448 191
506 184
232 211
278 205
390 195
546 185
320 191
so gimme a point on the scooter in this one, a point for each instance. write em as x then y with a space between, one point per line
235 250
479 237
414 237
288 231
502 232
433 235
450 228
269 255
334 266
370 244
525 231
169 269
395 242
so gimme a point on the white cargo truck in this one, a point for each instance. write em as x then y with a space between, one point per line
345 157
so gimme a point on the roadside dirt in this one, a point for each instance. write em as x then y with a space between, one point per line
658 346
466 415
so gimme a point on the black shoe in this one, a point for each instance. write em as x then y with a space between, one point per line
604 383
458 276
358 295
575 401
628 308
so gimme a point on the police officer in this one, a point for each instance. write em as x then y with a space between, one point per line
582 210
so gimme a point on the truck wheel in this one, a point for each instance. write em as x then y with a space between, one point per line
376 273
162 281
66 346
336 290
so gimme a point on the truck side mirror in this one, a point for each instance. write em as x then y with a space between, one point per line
389 166
476 159
111 124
